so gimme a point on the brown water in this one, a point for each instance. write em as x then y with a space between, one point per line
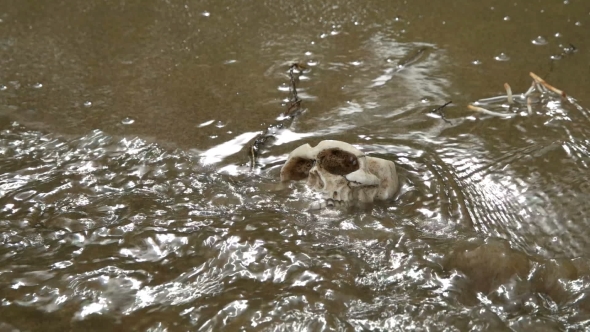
125 204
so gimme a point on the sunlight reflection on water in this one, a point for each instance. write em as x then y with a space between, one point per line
127 200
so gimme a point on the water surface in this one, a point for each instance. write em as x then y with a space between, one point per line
127 203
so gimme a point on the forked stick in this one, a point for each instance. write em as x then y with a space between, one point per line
531 89
547 85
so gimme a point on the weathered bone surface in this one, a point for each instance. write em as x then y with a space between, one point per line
342 173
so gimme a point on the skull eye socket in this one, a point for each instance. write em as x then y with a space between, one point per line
337 162
296 169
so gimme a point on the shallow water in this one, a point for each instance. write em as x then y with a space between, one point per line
127 202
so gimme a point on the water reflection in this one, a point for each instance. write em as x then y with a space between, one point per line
122 226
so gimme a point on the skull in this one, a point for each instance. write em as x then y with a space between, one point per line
341 173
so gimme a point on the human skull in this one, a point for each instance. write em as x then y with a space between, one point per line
341 173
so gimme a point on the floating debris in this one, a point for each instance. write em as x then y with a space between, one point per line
538 84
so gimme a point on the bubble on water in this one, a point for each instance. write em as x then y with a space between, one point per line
219 124
506 18
565 2
308 53
3 87
127 121
87 103
578 23
502 57
540 40
304 78
557 35
206 14
476 62
556 57
37 85
426 100
312 63
323 35
356 63
334 33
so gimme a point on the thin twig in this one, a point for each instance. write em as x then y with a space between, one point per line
294 104
293 107
253 155
530 90
547 85
440 111
486 111
412 58
508 93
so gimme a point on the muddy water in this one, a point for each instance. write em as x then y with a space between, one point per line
125 204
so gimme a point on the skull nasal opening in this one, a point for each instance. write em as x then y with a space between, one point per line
337 161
